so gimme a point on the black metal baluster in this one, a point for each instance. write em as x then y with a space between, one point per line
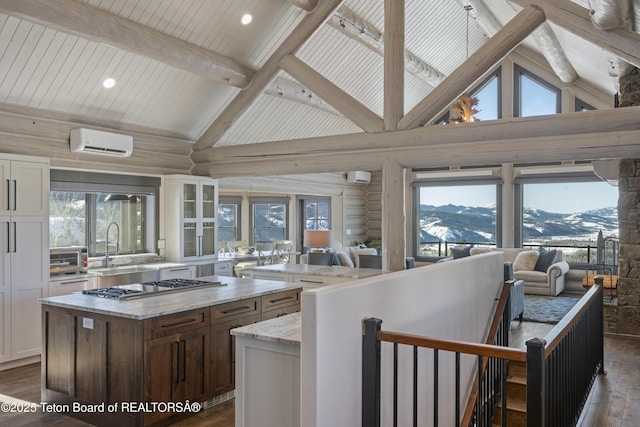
415 386
457 388
435 387
395 384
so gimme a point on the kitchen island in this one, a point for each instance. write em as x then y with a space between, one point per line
311 276
146 361
268 372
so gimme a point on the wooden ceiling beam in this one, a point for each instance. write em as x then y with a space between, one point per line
576 19
609 134
544 37
357 28
473 68
582 146
336 97
393 63
91 23
305 28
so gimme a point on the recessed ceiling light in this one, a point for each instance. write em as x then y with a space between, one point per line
108 83
246 19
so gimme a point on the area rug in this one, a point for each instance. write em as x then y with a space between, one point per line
544 309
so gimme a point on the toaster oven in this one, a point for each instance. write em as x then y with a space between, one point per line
68 259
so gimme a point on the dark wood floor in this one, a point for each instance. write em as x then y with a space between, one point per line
614 399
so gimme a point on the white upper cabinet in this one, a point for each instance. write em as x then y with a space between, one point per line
191 224
25 188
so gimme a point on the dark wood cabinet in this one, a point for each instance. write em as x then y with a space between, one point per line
224 357
177 368
93 358
280 304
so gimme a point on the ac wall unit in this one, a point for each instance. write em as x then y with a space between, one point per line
92 141
359 177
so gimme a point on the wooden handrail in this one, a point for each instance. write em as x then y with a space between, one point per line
487 350
555 335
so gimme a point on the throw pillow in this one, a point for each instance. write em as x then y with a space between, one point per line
476 251
525 261
545 259
336 260
460 251
345 260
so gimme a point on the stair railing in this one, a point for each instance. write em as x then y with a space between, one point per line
561 368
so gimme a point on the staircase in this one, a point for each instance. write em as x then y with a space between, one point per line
516 397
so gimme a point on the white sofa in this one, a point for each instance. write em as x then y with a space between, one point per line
550 282
346 254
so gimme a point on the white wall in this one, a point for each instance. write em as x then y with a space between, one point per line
452 300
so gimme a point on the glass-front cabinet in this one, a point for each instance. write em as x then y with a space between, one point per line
191 207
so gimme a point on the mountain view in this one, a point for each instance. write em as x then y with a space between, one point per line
454 223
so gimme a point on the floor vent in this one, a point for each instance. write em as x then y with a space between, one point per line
218 399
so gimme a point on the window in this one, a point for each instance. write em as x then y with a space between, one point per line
583 106
229 209
454 212
488 94
534 96
314 214
82 205
568 213
269 219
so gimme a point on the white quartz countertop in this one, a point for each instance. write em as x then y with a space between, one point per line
319 270
174 302
284 329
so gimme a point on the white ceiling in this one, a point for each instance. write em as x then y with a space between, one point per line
55 70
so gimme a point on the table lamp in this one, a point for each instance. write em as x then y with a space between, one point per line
317 240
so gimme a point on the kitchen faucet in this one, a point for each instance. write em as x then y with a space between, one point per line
106 245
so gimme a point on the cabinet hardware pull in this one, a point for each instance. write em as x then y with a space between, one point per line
15 195
183 322
310 281
8 195
179 269
15 238
8 236
73 282
277 300
183 356
175 368
235 309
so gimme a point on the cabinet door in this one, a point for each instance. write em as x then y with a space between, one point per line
5 289
223 377
68 286
29 186
208 202
177 368
29 282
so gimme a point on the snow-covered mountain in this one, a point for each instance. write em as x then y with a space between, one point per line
454 223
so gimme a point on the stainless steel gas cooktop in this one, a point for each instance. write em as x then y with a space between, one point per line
146 289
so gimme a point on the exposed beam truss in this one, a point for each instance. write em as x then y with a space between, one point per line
306 27
568 136
618 41
473 68
349 23
294 91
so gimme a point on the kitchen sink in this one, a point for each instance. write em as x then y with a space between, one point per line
126 274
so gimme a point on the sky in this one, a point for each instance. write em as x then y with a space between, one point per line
556 198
